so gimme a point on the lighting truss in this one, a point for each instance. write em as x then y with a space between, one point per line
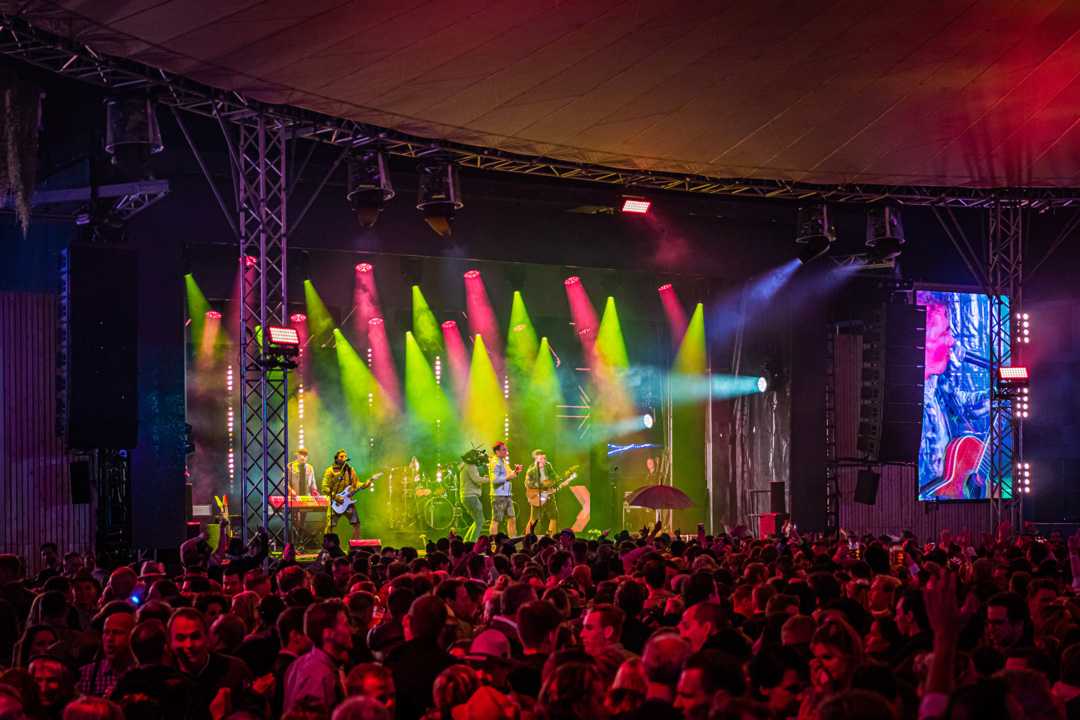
1004 268
998 265
21 40
257 153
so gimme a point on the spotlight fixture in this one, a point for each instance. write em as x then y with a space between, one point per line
282 347
375 321
439 196
666 287
1023 328
369 187
572 280
472 274
213 315
1023 476
884 231
762 384
635 205
132 134
814 231
1015 375
449 325
647 420
364 268
250 261
297 318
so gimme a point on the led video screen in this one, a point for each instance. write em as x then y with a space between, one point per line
953 455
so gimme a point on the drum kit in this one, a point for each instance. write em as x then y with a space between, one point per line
420 501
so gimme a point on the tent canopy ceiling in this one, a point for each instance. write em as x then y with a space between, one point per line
975 93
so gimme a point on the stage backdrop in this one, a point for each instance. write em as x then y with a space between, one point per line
419 357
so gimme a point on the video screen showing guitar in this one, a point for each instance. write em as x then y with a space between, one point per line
953 460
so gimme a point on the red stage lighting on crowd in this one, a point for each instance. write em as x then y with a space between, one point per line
284 336
449 325
635 206
298 318
213 315
1014 375
472 274
572 280
364 268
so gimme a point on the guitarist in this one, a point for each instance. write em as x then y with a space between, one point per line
542 476
338 479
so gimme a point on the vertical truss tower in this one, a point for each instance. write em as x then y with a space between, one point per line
257 153
1004 270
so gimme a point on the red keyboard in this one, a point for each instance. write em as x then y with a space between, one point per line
302 502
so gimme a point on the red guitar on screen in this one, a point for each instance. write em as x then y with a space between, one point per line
964 457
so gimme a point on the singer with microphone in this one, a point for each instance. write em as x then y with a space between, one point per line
338 480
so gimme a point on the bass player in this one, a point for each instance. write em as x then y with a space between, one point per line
340 479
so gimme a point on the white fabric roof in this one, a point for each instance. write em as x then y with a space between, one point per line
937 92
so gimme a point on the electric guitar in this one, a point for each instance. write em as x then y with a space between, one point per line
344 500
538 498
964 456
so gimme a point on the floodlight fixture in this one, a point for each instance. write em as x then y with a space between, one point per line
813 231
369 187
884 231
439 195
635 205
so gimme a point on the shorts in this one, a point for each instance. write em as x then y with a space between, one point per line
545 513
502 507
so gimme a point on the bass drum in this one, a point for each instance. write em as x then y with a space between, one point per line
437 513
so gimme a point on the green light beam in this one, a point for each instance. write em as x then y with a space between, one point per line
425 399
320 323
521 344
485 405
357 383
425 327
197 306
690 358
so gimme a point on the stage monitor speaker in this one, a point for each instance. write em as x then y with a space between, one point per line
890 419
79 476
777 496
770 524
866 487
102 316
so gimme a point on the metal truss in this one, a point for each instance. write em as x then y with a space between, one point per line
130 199
998 266
258 157
1004 278
21 40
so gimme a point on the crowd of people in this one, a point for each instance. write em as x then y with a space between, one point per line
639 625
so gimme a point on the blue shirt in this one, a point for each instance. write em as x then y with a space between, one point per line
500 484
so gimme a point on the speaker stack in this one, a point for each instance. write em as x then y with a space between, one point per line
100 303
891 409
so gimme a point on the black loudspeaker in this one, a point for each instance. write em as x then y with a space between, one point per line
777 499
79 476
102 312
866 487
890 421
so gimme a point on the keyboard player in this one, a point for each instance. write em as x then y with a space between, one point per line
301 482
